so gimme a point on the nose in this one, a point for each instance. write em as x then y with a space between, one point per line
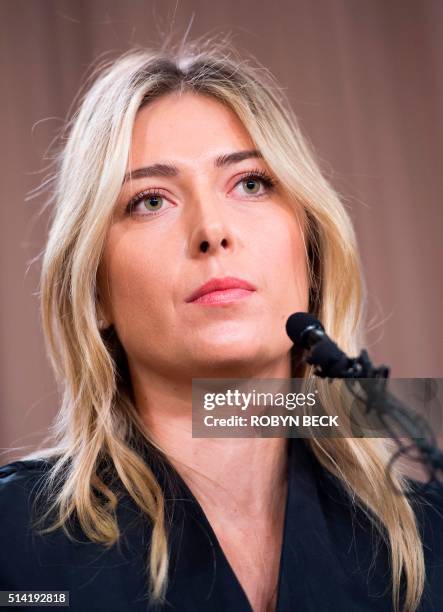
207 245
210 231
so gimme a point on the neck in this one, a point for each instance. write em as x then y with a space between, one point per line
239 474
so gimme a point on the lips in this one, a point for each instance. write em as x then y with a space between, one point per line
220 284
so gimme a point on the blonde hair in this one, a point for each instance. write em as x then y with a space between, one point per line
98 420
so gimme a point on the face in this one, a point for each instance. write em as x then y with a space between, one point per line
204 220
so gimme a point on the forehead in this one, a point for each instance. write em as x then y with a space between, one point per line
186 127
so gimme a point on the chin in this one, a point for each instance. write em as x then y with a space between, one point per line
219 363
227 369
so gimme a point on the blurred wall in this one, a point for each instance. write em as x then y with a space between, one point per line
364 77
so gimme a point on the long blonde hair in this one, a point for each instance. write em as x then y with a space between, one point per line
97 419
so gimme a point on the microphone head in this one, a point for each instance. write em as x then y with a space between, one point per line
298 323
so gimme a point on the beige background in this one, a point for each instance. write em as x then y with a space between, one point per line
364 77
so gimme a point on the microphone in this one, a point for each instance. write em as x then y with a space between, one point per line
306 331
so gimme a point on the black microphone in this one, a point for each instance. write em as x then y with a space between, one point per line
306 331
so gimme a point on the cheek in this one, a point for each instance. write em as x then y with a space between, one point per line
284 256
138 281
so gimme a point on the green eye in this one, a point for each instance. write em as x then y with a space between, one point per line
153 202
252 185
150 201
253 180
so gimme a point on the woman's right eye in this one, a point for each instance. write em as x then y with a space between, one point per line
150 201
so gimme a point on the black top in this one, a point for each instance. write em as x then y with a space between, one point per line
326 560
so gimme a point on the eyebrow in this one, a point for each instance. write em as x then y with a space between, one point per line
170 170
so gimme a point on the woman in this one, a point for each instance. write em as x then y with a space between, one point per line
183 167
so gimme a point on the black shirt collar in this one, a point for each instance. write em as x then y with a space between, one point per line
199 570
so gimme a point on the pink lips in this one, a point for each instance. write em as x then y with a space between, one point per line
221 290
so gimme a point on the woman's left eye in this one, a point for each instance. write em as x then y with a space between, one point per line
252 181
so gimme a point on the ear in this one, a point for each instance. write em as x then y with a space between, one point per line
103 319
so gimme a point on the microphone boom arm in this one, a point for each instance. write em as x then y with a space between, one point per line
360 375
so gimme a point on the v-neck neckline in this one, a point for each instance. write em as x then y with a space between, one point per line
176 490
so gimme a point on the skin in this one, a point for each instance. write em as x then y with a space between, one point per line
151 264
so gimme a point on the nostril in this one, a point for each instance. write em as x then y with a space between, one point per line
204 245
